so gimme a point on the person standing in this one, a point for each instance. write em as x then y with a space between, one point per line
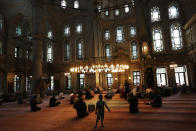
127 90
100 110
133 103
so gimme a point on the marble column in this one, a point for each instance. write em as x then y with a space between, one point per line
141 20
37 28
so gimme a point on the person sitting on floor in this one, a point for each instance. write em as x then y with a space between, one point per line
109 94
33 104
60 97
53 102
157 100
96 90
73 98
133 103
149 93
81 108
88 95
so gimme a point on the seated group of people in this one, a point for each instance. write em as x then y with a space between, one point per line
154 97
81 108
88 94
52 103
156 101
110 94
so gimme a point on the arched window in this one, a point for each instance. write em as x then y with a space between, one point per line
107 35
80 50
50 52
157 39
76 4
63 4
108 51
29 53
17 84
109 79
133 3
155 14
126 8
132 31
1 48
173 11
99 8
18 31
18 52
49 34
117 12
1 22
176 36
119 34
67 53
107 13
79 28
51 86
28 84
67 31
134 50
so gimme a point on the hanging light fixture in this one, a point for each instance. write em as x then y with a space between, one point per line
99 68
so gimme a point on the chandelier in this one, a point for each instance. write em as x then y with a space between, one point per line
99 68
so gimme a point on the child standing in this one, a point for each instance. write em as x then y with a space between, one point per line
100 110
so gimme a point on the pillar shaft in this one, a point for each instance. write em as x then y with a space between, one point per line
37 27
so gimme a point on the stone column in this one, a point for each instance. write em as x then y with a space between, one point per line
37 28
62 81
141 20
1 82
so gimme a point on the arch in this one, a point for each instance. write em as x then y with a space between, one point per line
176 36
108 50
67 50
173 10
79 28
155 14
107 34
67 30
63 4
80 48
134 50
119 30
133 31
157 39
76 4
49 52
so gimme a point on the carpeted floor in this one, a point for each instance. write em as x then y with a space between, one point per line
177 113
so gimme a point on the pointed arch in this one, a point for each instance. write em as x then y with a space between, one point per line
80 48
134 50
49 52
176 36
173 10
155 14
157 39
